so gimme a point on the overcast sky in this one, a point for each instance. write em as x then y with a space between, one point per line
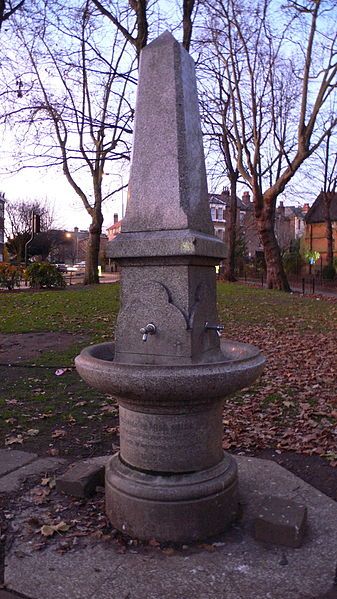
52 185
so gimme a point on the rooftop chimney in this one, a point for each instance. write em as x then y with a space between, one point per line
115 218
246 198
305 208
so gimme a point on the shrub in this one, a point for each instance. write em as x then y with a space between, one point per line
10 275
292 262
43 274
328 272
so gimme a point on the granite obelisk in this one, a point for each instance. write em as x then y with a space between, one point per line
167 250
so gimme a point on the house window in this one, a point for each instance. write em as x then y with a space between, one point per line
213 213
220 213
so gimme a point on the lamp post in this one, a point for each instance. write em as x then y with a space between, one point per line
35 228
122 190
74 237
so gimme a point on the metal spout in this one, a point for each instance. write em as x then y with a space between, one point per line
150 329
214 327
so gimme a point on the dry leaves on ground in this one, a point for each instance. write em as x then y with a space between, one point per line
294 405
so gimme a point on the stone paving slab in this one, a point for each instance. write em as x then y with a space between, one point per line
239 568
13 459
13 481
7 595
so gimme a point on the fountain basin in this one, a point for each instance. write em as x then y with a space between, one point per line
174 385
171 470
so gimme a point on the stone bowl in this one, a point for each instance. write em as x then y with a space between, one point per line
171 385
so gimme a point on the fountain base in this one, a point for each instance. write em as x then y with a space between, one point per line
177 507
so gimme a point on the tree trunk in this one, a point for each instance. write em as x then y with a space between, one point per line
231 231
276 276
91 263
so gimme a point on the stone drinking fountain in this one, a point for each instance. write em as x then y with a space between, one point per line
169 367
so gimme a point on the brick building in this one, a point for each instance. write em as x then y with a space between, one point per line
315 237
2 226
112 232
220 207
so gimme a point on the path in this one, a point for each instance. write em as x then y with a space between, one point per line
233 566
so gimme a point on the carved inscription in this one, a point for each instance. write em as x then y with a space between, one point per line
181 442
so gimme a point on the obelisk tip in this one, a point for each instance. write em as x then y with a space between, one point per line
165 38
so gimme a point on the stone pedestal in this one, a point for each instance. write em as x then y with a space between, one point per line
171 480
178 508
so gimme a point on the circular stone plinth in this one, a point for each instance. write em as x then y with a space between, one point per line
178 508
171 385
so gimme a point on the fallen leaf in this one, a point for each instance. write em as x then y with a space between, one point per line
47 530
48 481
32 432
207 547
53 451
40 495
58 433
168 551
14 439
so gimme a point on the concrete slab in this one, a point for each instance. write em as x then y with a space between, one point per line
239 567
281 521
13 481
7 595
11 459
82 478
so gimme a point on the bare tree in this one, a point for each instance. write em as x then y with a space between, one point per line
78 105
280 70
7 9
215 107
141 11
19 223
19 216
139 39
188 8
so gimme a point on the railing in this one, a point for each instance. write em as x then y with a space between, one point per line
305 284
74 277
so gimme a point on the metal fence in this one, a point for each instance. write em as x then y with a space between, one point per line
308 284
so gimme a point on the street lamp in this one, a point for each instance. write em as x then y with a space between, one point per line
74 237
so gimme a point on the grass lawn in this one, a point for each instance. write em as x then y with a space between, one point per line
293 405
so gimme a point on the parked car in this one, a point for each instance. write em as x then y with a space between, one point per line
61 267
80 265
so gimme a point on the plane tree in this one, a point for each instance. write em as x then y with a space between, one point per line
74 110
279 75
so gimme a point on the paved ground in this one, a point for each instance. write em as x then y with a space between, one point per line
234 566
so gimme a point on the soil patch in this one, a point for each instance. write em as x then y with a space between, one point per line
313 469
19 347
